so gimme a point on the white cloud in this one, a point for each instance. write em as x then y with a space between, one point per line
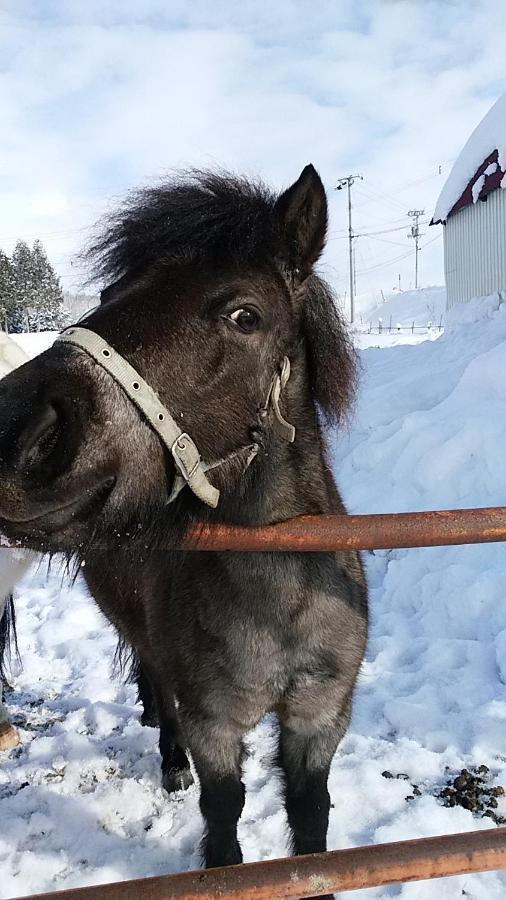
97 97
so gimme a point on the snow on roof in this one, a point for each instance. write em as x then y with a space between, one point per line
490 135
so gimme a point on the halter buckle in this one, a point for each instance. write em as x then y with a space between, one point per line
186 456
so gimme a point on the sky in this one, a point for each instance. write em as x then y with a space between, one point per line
100 97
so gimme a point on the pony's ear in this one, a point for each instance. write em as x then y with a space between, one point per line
301 211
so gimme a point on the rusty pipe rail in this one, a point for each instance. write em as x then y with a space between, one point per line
315 874
382 531
371 532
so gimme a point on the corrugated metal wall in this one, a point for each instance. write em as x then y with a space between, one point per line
475 250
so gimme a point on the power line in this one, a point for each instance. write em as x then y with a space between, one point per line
395 259
387 262
364 266
383 240
387 196
377 225
435 238
377 231
387 230
374 225
360 233
376 197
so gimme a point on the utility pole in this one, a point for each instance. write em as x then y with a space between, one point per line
415 234
347 182
354 270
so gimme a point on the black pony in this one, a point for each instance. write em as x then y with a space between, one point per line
211 290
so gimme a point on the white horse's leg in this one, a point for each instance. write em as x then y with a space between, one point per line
13 563
9 736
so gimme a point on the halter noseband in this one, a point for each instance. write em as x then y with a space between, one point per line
191 469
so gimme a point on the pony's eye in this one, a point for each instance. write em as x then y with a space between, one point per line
246 318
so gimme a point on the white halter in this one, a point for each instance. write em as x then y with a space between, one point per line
191 469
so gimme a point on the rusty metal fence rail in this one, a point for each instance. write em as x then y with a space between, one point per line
315 874
371 532
340 870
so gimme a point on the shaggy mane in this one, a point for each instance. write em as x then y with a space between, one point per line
193 216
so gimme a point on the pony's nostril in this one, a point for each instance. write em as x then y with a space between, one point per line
35 440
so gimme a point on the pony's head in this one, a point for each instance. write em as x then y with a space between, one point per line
210 289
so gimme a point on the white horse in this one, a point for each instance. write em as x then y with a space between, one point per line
13 563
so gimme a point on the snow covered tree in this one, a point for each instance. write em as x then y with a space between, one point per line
23 288
6 288
49 312
37 294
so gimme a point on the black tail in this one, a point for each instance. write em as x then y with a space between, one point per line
9 649
127 665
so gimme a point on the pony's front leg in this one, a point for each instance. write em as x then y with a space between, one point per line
305 761
216 749
306 750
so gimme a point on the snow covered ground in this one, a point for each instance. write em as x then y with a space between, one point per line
80 801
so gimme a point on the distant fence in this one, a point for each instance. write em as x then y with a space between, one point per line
396 328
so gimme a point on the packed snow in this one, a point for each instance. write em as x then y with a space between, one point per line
81 802
488 136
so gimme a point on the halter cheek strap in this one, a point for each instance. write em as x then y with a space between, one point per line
191 470
282 427
184 451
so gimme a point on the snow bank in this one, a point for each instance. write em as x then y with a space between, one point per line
425 422
489 135
81 802
405 307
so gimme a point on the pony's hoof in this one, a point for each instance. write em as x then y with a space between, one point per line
215 857
9 736
177 780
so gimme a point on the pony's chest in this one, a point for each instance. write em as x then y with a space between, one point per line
247 676
254 659
251 625
251 654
